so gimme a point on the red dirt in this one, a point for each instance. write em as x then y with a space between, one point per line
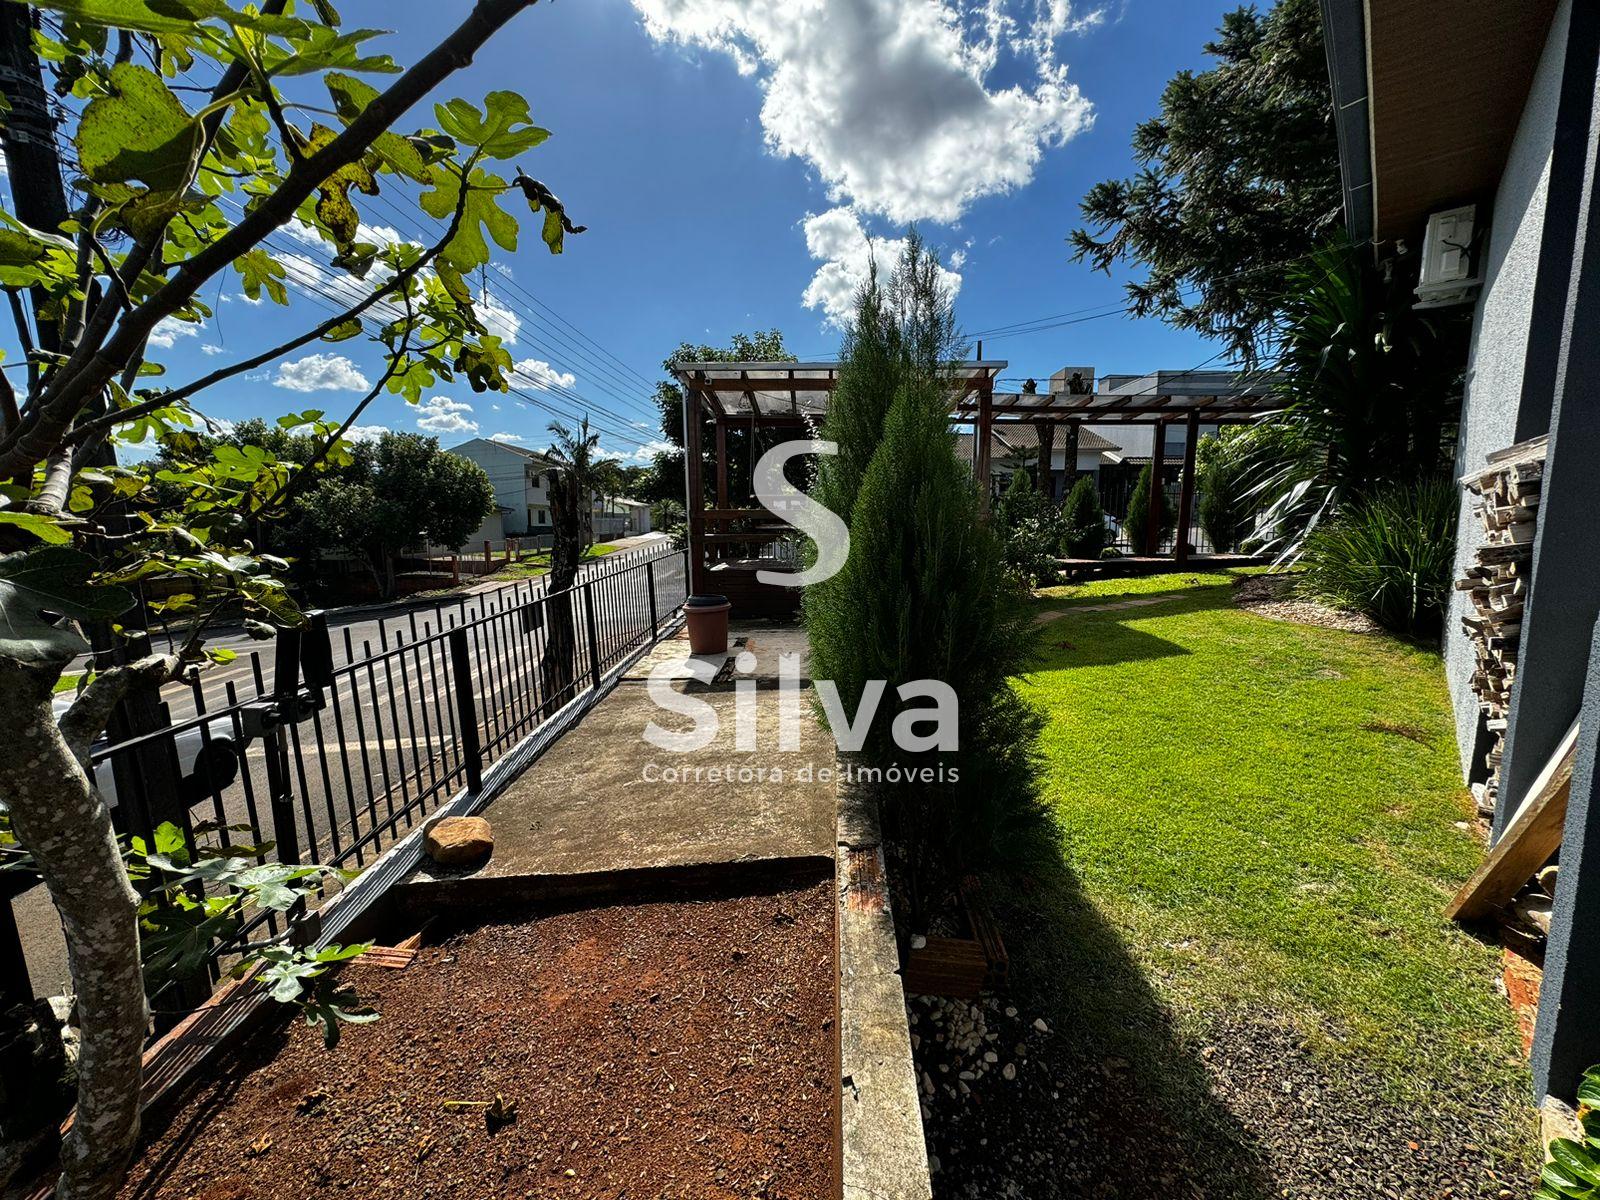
655 1050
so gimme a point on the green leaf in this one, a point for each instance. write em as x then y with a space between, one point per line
168 16
350 97
139 131
1576 1160
25 251
52 579
505 131
258 272
468 250
343 331
42 527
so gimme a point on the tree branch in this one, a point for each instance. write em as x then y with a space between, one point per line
396 283
86 720
88 370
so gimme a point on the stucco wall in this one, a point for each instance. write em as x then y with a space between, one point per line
1500 334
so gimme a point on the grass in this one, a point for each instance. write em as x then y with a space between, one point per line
533 565
1259 817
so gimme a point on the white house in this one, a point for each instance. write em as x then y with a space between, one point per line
518 478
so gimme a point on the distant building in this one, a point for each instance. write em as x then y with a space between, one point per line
521 479
520 485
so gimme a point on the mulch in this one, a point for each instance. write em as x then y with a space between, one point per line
681 1049
1273 597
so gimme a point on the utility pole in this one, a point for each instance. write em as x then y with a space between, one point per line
32 162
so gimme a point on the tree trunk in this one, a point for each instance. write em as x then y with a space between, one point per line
60 817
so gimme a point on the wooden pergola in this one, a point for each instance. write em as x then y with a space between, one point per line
729 543
1051 410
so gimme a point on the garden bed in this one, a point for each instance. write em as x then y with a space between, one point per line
666 1049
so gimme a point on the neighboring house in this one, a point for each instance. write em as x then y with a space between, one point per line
1015 447
518 478
617 516
1468 137
521 492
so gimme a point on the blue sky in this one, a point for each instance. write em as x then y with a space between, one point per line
731 158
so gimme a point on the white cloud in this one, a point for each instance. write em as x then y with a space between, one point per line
209 349
542 375
440 414
498 319
507 437
321 372
891 101
169 329
365 433
838 240
644 454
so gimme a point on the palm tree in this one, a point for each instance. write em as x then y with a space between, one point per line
1368 385
572 462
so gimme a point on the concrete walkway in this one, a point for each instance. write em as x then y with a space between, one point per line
604 802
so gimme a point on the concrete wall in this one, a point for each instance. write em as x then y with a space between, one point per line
1501 323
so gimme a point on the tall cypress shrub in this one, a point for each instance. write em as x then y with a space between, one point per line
924 593
1085 521
1138 522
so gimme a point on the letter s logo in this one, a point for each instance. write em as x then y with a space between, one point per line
783 500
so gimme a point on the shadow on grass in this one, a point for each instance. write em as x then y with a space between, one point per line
1113 1102
1102 637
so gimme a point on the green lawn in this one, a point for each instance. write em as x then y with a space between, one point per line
1258 820
532 565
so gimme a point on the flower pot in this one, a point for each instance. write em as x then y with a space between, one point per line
707 619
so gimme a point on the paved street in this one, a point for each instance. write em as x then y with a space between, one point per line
386 740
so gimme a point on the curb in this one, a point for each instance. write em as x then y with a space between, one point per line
885 1154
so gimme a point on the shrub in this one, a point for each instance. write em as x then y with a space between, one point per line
1031 528
1391 555
1138 522
1084 532
924 594
1226 510
1573 1172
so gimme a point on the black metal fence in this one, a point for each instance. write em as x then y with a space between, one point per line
333 761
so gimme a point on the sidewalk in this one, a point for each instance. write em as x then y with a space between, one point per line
604 803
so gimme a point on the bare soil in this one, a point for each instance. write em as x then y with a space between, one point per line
682 1049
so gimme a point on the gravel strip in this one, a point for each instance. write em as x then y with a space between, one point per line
1016 1109
1273 597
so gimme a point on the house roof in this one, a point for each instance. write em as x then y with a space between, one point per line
512 447
1427 98
1020 436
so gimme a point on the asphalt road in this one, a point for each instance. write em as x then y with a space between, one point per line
385 740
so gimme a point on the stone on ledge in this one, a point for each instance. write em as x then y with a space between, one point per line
456 841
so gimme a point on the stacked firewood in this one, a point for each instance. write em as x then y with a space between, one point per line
1497 584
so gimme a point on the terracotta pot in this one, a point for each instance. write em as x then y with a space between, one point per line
707 618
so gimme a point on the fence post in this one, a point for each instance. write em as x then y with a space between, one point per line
466 709
594 640
280 788
650 586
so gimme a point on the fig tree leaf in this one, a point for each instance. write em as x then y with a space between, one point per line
468 250
41 526
51 579
503 131
138 131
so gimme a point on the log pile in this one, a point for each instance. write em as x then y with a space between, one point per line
1496 585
